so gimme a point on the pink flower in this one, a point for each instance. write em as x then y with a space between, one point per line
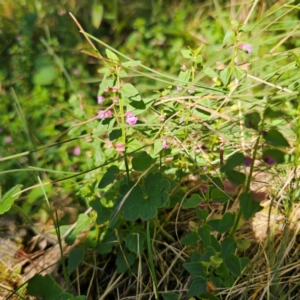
120 147
191 90
183 68
178 89
104 114
165 145
115 99
115 89
81 107
246 47
230 188
202 206
76 151
131 119
106 89
100 99
161 117
8 139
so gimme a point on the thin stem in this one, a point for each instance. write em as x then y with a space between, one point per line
151 260
247 188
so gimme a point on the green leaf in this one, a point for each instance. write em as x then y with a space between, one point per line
233 161
279 156
215 243
238 72
103 213
197 287
131 63
204 233
252 120
193 201
218 195
8 198
275 138
75 258
187 53
111 55
82 223
216 261
226 222
103 84
144 203
244 262
130 92
43 286
243 245
97 14
109 177
234 265
210 72
228 36
38 193
229 281
142 162
248 206
45 76
228 246
225 76
202 214
184 76
169 296
272 114
135 242
66 296
108 241
222 271
190 239
122 262
214 224
236 177
115 134
195 268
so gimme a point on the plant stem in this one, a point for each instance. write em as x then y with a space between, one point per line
247 188
151 260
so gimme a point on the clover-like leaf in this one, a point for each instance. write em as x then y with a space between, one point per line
143 203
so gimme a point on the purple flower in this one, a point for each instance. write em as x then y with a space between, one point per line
104 114
269 160
247 161
8 139
165 145
100 99
246 47
76 151
130 118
